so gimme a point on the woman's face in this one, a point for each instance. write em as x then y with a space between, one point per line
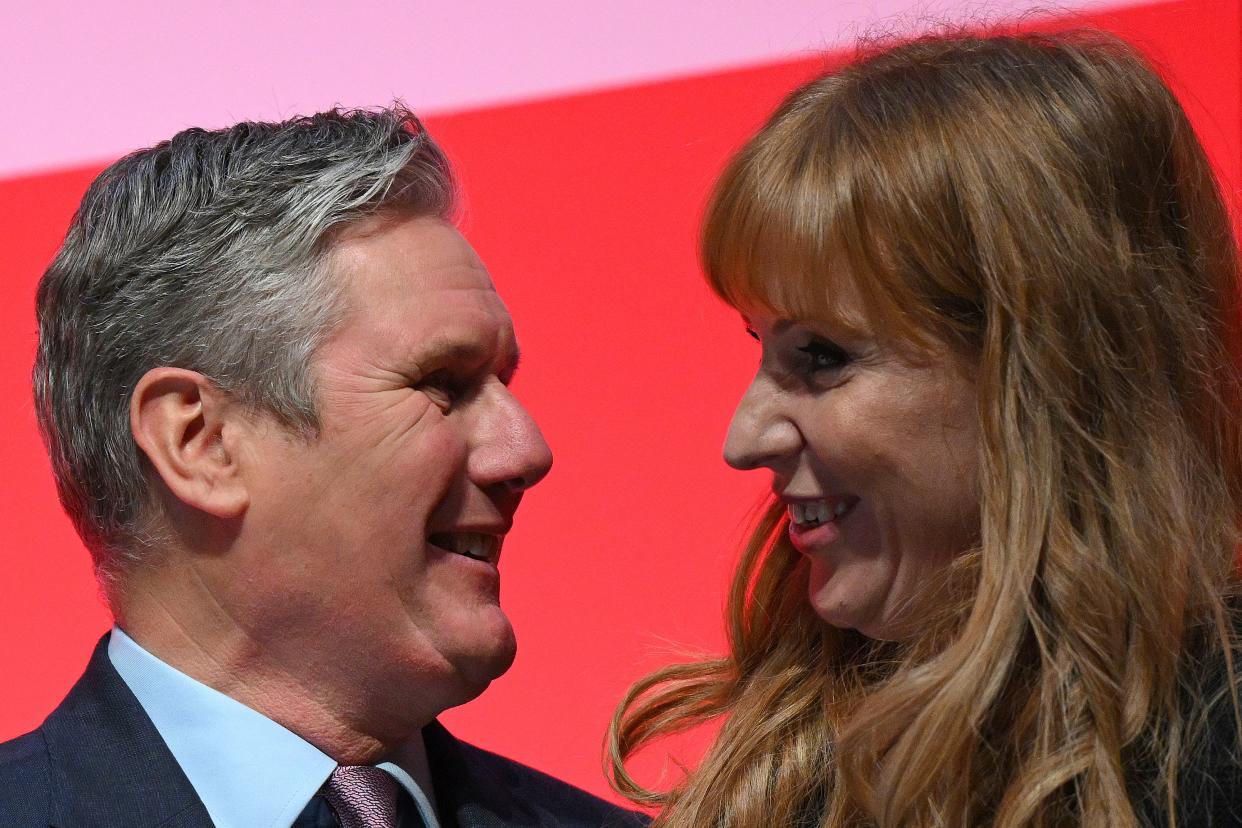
873 454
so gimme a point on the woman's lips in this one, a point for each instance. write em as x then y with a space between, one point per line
809 539
809 536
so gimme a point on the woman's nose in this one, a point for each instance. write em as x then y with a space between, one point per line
760 435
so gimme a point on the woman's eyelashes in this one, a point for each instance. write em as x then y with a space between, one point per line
812 359
820 355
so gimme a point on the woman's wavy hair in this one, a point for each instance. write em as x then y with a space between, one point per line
1039 206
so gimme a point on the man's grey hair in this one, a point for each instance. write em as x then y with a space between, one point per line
207 252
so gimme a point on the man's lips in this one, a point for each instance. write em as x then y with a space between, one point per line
476 544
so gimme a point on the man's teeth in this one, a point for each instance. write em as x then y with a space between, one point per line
471 544
815 512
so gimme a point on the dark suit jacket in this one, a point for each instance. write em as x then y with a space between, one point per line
98 762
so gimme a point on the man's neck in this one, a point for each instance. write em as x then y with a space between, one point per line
206 730
200 640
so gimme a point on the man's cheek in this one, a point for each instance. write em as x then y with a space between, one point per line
430 456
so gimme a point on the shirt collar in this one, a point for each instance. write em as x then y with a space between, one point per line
249 771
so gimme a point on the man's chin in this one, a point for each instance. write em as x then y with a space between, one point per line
480 667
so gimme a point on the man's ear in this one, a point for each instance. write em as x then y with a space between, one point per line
189 430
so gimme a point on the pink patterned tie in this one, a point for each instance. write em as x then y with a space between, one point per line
362 797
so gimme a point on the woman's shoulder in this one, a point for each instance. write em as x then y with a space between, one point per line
1209 774
1210 777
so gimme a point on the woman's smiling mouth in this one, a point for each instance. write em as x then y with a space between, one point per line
814 522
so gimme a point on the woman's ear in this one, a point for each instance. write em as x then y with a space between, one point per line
189 429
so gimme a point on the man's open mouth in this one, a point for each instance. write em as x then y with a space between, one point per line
477 545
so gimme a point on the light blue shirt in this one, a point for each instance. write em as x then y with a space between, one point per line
249 771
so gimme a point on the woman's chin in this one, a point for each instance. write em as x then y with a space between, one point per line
848 603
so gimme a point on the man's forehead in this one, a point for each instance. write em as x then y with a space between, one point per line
401 254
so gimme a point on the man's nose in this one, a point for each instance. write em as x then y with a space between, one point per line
760 433
507 447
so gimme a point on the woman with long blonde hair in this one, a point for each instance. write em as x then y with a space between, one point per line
996 296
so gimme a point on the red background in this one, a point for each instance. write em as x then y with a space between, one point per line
585 209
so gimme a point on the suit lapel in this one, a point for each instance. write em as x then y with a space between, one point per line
109 765
471 794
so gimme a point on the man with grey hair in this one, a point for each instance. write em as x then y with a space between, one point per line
273 382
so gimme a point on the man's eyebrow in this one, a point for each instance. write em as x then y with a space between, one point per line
444 349
449 350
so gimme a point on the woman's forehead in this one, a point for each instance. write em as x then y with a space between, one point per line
828 297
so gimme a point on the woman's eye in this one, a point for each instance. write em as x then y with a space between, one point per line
823 356
752 333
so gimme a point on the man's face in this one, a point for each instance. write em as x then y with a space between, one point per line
378 539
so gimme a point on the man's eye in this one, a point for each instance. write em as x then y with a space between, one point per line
752 333
822 356
443 389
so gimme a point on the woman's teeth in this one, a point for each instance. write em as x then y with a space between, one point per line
808 513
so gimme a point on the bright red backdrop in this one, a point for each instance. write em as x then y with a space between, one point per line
585 209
